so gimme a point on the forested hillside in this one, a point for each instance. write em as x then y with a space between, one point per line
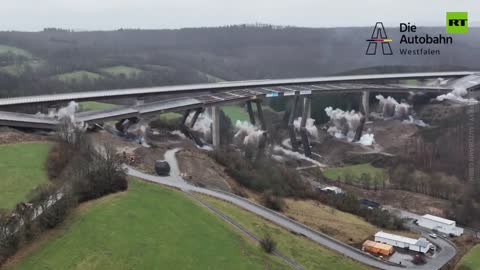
56 60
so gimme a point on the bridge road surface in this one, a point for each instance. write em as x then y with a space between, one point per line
224 86
285 222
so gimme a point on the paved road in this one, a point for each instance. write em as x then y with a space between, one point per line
324 240
176 181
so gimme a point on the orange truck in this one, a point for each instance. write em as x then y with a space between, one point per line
377 248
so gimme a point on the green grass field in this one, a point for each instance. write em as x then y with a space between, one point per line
148 227
77 76
471 261
22 168
4 49
95 106
170 116
354 173
235 113
14 70
305 252
19 69
128 72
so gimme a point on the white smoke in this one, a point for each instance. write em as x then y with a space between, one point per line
310 126
416 122
344 123
248 134
437 82
457 95
202 125
68 111
295 155
403 111
392 108
367 139
138 132
66 115
179 134
278 158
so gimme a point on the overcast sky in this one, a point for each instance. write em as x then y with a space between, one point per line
34 15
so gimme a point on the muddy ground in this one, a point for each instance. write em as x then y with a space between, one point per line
11 135
195 164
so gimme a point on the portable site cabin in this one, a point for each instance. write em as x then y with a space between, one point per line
418 245
377 248
332 189
440 224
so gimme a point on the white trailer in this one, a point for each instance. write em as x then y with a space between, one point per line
418 245
439 224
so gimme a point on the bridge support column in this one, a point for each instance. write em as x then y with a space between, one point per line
185 129
139 101
124 124
261 118
291 127
250 112
359 131
366 103
185 116
303 130
215 125
51 110
195 117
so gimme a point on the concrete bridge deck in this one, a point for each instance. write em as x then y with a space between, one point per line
230 92
225 86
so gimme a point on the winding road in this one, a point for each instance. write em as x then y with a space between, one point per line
445 254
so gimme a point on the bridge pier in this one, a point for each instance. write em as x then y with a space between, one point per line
359 131
291 127
186 128
261 118
215 113
51 110
306 114
139 101
250 112
303 130
365 103
195 117
124 124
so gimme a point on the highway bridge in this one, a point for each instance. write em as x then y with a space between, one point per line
377 79
197 97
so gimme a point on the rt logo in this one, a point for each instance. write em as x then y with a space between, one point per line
457 22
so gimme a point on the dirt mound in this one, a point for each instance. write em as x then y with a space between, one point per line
414 202
438 111
10 135
335 151
200 169
392 135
